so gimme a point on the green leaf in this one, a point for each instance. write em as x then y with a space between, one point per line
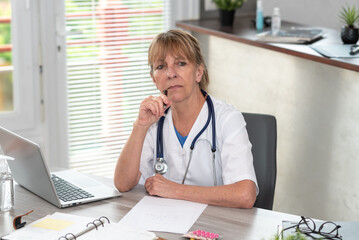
296 236
349 15
229 4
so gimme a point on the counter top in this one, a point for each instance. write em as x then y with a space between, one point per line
243 31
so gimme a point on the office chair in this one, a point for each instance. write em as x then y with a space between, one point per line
262 132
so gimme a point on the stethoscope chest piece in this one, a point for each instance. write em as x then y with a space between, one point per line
161 166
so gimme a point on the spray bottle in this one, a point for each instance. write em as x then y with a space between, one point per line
259 15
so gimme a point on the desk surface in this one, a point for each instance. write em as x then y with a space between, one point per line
244 32
231 223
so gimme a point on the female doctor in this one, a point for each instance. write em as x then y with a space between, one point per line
185 144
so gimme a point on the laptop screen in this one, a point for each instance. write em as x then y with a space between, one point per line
29 168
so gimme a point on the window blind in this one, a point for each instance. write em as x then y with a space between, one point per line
107 75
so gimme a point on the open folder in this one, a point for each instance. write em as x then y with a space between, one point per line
292 35
335 51
61 226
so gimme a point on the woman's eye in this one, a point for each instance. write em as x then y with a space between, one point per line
159 67
182 63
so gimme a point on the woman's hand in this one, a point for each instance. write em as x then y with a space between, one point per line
160 186
151 109
241 194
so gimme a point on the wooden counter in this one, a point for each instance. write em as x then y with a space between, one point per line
243 31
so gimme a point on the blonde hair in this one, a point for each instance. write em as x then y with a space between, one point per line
181 43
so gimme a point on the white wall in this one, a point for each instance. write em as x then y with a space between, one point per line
323 13
316 107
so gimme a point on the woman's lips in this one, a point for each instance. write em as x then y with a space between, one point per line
174 87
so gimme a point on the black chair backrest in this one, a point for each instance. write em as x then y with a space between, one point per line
262 132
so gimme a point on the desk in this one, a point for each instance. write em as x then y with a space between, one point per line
232 223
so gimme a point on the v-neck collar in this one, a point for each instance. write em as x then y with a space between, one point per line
197 126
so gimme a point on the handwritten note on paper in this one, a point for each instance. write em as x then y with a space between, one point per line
164 215
53 224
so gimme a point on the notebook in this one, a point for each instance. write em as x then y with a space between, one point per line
30 170
292 35
68 227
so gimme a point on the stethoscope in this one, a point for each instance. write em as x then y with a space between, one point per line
161 166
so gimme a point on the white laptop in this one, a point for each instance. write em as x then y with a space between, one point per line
30 170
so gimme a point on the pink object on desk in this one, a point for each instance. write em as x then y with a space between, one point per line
202 235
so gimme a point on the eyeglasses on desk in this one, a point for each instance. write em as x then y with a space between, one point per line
306 226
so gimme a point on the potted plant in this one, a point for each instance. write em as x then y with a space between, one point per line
350 33
227 9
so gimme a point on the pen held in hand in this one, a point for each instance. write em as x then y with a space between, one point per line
165 92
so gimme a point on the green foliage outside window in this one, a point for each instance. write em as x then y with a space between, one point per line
5 32
6 84
5 36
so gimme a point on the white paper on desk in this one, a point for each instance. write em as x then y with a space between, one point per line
164 215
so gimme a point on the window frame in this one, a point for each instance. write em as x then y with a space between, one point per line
24 36
54 88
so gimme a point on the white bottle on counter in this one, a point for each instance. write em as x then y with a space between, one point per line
276 21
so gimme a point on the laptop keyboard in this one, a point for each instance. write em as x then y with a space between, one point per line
67 191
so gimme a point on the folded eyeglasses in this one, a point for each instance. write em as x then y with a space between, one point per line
327 230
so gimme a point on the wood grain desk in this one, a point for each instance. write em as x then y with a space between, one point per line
231 223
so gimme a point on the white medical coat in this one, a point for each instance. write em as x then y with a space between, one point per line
234 160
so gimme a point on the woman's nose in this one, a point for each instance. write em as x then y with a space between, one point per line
171 73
